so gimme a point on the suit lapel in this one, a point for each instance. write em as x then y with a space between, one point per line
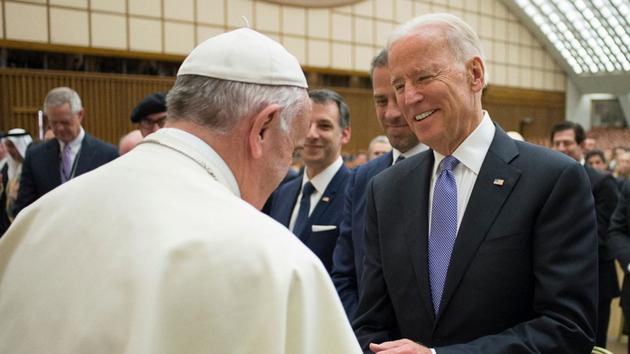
52 161
494 184
325 201
85 156
414 210
286 201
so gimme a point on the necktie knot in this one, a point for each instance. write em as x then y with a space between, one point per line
399 158
449 163
308 189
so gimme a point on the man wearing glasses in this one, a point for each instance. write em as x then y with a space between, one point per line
150 113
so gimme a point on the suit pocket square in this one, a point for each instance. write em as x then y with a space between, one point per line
320 228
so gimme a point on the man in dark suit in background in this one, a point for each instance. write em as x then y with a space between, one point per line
569 138
312 206
619 240
350 249
72 152
483 244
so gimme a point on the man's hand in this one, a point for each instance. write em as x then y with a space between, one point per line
401 346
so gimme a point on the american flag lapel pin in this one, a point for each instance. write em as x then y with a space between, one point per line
326 199
498 181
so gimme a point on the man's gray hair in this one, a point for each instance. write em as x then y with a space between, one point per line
62 95
220 104
379 139
461 38
379 61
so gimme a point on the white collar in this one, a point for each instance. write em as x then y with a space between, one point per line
414 150
75 144
472 151
322 179
220 169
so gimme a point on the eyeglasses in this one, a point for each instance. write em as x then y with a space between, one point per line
150 123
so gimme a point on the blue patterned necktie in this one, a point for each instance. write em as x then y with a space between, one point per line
66 163
305 206
443 228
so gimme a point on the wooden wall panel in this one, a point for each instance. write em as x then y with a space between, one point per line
107 98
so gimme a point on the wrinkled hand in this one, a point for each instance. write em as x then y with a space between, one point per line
401 346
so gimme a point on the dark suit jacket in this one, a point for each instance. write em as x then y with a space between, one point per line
40 172
349 251
328 211
522 276
619 241
604 188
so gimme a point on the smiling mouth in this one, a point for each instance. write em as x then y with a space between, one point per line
422 116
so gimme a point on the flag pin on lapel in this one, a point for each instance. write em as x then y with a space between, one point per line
326 199
498 181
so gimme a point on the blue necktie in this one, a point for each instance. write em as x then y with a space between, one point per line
443 228
305 206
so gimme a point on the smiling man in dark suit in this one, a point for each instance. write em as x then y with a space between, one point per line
482 244
349 251
315 218
569 138
72 152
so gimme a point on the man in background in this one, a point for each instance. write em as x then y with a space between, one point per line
311 206
145 258
72 152
350 248
150 113
569 139
378 146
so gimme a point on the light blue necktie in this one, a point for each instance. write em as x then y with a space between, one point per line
66 164
443 228
305 206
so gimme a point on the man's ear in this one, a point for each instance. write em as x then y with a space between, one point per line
476 72
81 114
266 119
346 134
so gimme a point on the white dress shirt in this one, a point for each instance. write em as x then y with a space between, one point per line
320 182
470 154
75 148
414 150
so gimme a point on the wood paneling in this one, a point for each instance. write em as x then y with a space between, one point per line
107 98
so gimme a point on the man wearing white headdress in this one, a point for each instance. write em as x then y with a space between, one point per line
186 263
16 143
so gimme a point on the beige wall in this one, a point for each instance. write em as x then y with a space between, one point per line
341 38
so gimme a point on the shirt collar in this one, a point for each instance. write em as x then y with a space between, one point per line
322 179
219 167
75 144
472 151
414 150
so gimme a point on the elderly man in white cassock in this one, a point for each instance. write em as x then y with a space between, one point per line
164 250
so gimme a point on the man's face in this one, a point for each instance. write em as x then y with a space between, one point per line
395 126
378 149
151 123
597 163
564 142
589 144
438 96
12 150
65 124
624 164
325 137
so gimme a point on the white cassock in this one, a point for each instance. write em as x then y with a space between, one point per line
150 254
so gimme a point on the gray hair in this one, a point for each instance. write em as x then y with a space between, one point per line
379 61
323 96
461 38
62 95
220 104
379 139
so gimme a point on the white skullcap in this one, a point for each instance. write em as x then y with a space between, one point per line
247 56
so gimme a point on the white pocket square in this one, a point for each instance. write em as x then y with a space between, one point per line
319 228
